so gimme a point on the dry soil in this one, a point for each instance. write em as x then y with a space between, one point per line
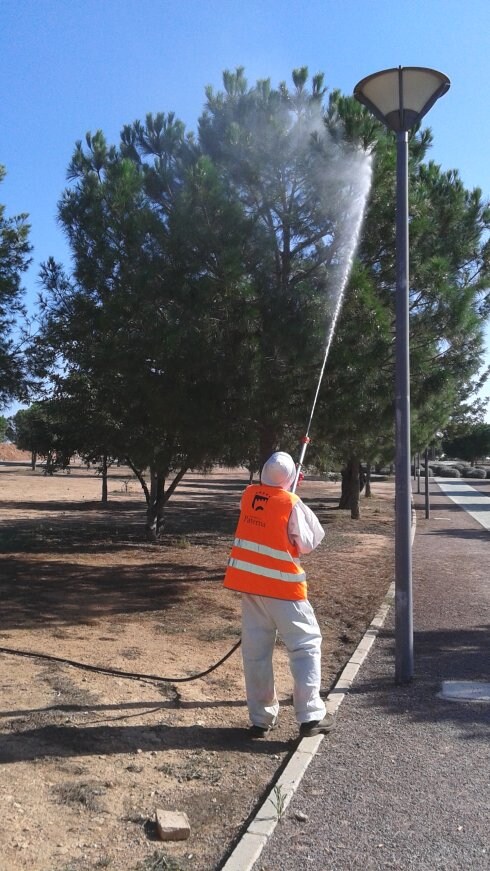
87 758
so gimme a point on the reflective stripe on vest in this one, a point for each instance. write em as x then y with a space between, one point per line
263 548
268 573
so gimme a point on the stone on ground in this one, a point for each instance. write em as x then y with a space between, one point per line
172 825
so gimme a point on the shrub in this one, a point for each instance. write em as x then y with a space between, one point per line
455 473
462 467
477 472
446 472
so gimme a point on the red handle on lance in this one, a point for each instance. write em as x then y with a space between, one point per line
305 441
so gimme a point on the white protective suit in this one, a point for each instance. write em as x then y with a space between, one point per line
264 617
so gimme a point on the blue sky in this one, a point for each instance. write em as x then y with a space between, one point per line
72 66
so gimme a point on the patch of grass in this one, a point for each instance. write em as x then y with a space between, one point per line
86 794
158 862
133 767
81 865
168 628
220 633
279 801
75 769
180 542
135 816
131 653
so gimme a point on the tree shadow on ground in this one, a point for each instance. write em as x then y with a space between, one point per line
439 655
447 506
43 583
139 708
70 741
450 506
89 528
57 593
464 534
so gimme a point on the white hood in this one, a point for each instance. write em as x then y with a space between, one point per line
279 471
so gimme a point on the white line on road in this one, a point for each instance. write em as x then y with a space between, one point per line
468 498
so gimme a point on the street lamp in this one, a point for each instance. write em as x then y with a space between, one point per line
399 98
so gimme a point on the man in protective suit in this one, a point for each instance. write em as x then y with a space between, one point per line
275 527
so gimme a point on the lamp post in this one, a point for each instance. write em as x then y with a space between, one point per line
400 97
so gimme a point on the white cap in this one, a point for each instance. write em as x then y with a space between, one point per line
279 471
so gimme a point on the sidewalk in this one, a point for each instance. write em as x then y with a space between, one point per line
403 782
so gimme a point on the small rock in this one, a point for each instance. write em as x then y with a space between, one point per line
301 817
172 825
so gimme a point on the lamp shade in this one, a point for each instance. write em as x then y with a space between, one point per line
401 96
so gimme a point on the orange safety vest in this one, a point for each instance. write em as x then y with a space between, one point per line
263 561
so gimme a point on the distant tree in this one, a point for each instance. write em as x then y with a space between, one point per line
469 409
3 428
35 429
473 445
14 260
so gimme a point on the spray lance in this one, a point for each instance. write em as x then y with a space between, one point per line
305 441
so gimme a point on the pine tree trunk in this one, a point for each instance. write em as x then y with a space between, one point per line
104 480
349 497
368 481
267 444
155 511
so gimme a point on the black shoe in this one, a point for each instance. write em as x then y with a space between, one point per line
317 727
259 731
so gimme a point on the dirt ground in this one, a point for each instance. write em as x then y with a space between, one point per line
87 758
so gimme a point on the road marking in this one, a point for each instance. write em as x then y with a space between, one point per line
465 495
465 691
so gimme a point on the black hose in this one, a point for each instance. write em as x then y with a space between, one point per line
130 675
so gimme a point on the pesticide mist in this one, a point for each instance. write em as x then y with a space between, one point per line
354 176
303 189
344 182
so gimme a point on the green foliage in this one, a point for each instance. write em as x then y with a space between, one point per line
14 260
297 183
31 430
46 429
279 801
207 272
449 280
474 444
144 339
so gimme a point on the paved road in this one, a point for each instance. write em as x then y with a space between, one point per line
403 783
474 497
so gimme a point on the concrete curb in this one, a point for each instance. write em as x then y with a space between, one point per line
248 850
